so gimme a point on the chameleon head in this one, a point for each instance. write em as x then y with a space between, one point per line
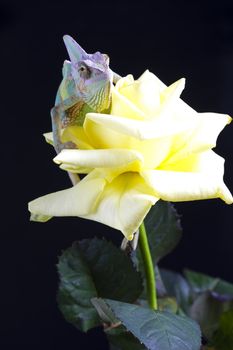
91 74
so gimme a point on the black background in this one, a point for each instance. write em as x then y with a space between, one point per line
173 39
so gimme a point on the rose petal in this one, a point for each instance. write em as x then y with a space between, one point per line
76 201
142 130
48 137
121 204
146 96
124 107
124 81
73 133
150 99
201 138
206 182
150 78
104 138
124 204
204 162
101 158
180 107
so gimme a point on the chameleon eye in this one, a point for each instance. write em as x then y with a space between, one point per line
84 72
82 69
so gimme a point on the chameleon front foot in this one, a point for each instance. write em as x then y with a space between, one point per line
67 145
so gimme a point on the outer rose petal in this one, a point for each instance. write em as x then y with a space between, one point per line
121 204
204 162
142 130
124 204
203 183
106 138
202 137
48 137
101 158
76 201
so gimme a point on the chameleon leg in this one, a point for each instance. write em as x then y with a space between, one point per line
74 178
58 145
56 127
56 113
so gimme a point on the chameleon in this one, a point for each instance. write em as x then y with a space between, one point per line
85 87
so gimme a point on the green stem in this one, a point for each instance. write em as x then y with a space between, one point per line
149 267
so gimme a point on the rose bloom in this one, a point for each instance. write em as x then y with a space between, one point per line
151 146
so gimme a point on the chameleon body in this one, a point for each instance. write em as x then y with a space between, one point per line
85 87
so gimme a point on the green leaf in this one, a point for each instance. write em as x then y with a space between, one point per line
223 338
206 310
203 283
156 329
120 339
163 229
176 286
76 289
94 268
118 336
200 282
164 304
113 271
224 290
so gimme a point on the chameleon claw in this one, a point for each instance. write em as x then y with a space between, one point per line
69 145
66 145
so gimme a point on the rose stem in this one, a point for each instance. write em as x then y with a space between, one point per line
148 266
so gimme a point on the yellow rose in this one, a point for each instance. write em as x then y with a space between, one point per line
151 146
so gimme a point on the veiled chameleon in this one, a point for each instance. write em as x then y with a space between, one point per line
86 87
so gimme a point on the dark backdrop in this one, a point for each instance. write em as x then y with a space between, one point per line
173 39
